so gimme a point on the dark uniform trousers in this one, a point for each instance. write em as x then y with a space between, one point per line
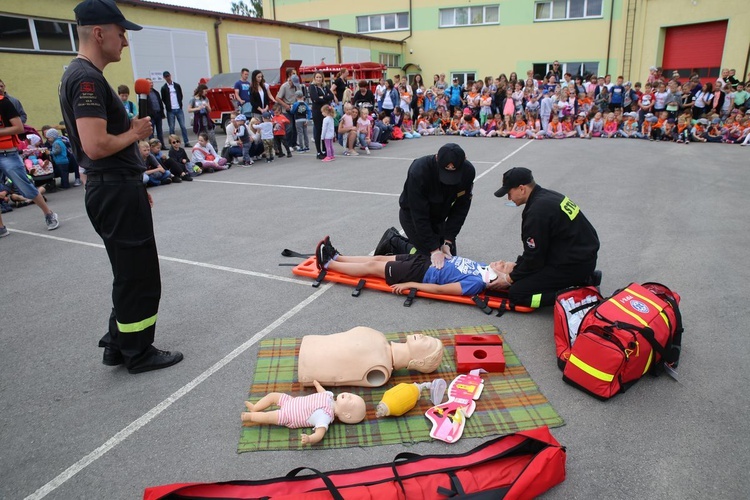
119 210
539 289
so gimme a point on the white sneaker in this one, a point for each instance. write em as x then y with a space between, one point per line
51 220
367 150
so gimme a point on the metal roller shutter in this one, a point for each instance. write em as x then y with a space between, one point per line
695 47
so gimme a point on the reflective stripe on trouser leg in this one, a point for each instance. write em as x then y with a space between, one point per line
138 326
536 300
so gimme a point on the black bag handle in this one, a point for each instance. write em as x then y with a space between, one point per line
329 484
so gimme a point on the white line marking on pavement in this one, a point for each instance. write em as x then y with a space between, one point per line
493 167
175 259
377 157
176 396
300 187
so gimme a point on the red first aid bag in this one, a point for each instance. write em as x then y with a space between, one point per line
635 331
517 466
571 305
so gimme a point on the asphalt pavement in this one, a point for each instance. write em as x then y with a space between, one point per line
72 428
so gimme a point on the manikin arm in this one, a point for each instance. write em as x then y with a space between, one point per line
449 289
315 437
318 388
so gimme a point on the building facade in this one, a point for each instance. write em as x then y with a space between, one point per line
474 39
38 40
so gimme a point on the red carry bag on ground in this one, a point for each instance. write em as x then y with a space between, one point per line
636 331
571 305
517 466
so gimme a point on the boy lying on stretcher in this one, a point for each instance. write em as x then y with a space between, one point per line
459 276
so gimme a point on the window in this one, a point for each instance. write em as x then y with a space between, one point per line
383 22
19 33
390 60
322 23
469 16
567 9
584 69
464 77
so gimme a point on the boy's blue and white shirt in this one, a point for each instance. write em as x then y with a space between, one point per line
466 272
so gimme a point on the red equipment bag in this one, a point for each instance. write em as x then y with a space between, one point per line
517 466
571 305
635 331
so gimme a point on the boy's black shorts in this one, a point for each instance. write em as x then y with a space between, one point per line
407 268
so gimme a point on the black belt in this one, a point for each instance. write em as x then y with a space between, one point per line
114 176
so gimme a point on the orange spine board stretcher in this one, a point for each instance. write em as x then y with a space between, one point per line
309 269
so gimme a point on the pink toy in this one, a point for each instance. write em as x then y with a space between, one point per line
449 419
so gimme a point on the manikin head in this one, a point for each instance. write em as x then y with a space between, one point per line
425 353
349 408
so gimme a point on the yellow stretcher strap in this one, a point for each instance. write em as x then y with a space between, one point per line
606 377
136 327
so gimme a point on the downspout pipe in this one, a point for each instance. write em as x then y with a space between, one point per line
218 44
338 47
609 39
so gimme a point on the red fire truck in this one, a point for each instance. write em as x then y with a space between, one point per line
221 87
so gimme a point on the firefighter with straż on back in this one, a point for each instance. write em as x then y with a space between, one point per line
560 245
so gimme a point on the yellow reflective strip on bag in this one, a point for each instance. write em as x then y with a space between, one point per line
648 362
658 308
136 327
631 313
570 208
536 300
606 377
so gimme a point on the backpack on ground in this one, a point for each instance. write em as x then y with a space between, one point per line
619 339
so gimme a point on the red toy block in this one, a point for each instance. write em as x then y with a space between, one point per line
478 340
471 357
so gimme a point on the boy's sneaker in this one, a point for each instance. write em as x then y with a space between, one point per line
367 150
77 182
320 254
166 181
268 160
176 179
332 252
289 155
4 232
51 220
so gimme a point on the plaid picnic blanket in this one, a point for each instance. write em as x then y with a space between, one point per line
510 402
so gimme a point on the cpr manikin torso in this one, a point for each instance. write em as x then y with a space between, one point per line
363 357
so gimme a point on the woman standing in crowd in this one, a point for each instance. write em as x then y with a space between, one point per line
201 109
320 96
416 85
261 99
391 98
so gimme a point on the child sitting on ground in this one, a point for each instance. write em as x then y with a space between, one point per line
610 126
178 163
155 173
582 126
407 127
206 157
469 125
596 125
489 129
424 127
554 128
519 127
317 410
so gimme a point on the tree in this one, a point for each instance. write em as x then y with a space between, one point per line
254 8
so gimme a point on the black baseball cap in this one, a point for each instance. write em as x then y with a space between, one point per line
450 154
516 176
93 12
166 74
